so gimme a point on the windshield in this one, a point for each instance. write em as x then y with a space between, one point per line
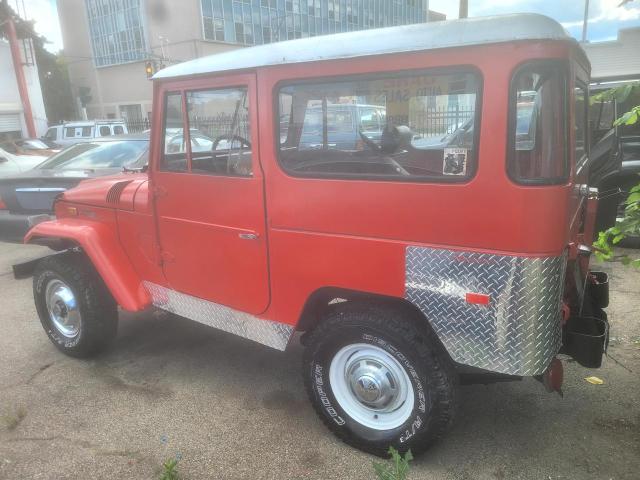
88 156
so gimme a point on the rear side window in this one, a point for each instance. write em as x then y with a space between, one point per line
70 132
87 131
118 130
537 125
418 127
105 131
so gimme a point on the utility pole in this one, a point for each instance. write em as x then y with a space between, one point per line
463 12
585 22
20 78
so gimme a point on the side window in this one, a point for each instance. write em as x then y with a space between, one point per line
70 132
220 132
51 134
174 158
417 127
537 151
105 130
87 131
580 122
118 130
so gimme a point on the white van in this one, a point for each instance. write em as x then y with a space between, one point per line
82 131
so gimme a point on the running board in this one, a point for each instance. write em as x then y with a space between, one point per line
272 334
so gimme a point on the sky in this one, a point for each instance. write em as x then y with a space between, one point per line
605 17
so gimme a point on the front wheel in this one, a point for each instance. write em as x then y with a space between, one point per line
376 380
75 308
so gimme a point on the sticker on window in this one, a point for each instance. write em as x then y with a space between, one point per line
455 161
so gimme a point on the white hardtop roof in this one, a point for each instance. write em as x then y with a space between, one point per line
90 123
405 38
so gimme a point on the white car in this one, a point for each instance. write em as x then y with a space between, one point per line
12 164
70 133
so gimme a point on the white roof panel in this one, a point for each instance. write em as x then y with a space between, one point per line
405 38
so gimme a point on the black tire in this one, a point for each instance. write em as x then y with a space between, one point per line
430 371
98 312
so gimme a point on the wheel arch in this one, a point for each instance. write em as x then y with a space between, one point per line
324 299
101 246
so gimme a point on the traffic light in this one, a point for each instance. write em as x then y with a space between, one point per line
150 69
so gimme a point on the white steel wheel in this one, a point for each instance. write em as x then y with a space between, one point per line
63 308
371 386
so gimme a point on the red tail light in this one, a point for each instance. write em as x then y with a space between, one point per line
3 206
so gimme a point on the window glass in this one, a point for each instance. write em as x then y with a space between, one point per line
580 121
92 155
32 144
219 132
51 134
105 131
118 130
87 131
9 147
70 132
174 158
400 126
538 126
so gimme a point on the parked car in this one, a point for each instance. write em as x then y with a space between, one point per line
33 192
406 268
84 131
349 122
29 146
615 154
11 164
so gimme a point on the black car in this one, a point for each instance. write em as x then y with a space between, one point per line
615 154
29 194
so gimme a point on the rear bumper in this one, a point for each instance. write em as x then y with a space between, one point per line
13 227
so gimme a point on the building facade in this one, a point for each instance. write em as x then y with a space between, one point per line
12 120
616 59
107 43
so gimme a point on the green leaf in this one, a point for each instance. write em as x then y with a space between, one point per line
617 238
636 263
633 198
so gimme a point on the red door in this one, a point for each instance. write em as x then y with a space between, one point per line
209 193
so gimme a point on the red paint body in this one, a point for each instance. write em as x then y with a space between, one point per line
181 230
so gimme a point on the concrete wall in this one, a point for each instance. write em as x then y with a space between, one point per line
10 101
616 59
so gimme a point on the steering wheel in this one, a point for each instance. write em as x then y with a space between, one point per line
368 142
234 166
232 138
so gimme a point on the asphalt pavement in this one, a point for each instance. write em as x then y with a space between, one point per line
233 409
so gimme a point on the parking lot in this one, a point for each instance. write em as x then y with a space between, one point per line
230 408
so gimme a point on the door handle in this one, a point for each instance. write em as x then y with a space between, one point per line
248 236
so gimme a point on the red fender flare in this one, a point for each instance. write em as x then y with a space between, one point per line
104 250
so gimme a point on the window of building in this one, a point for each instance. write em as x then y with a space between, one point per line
245 21
409 127
116 30
537 122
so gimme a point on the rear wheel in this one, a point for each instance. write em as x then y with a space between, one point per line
75 308
376 380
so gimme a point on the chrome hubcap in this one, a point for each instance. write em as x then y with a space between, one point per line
63 308
371 386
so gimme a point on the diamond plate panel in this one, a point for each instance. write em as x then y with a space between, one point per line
272 334
518 333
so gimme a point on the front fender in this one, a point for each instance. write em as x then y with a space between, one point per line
104 250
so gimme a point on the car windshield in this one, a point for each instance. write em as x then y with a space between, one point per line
32 144
92 155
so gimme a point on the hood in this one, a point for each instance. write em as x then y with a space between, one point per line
115 191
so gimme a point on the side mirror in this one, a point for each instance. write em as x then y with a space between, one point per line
395 137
